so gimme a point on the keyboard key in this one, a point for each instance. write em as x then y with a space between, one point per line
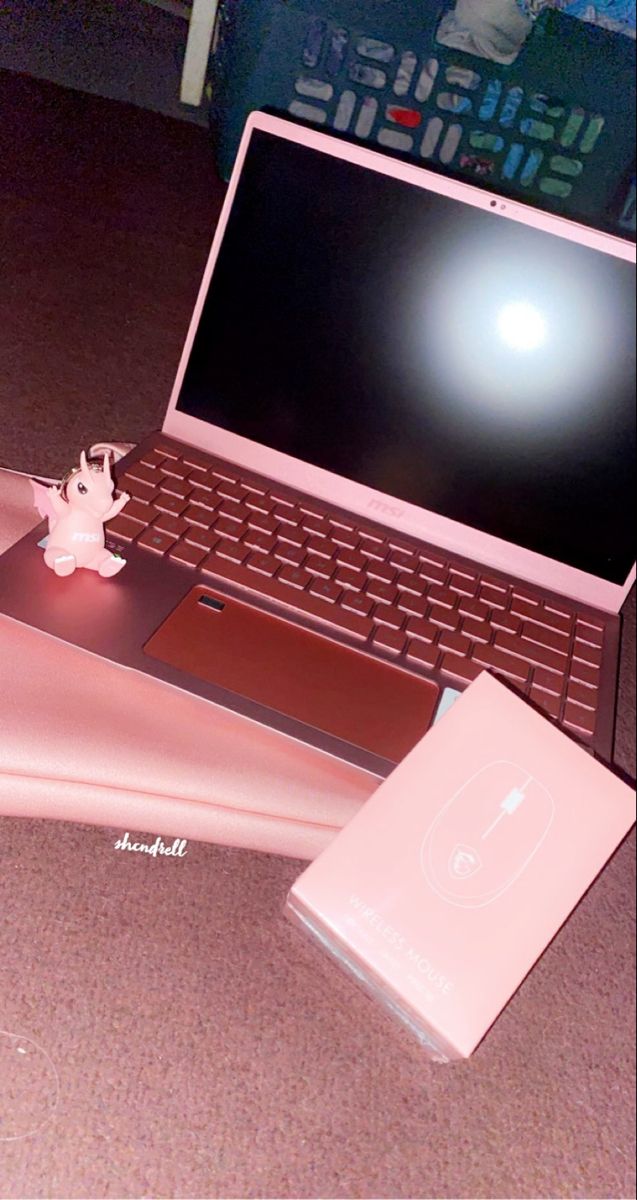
498 660
461 669
353 558
539 656
441 595
416 605
478 631
152 458
324 567
357 602
584 672
289 554
322 546
586 653
169 523
159 543
348 538
263 521
187 554
586 696
425 631
505 621
236 512
227 549
286 515
196 515
548 681
144 474
316 525
261 504
549 703
171 504
386 614
522 607
349 578
123 526
372 548
405 560
199 496
463 585
145 513
454 642
265 564
379 590
479 610
206 538
295 577
173 466
175 487
433 573
584 632
492 596
333 615
200 479
221 473
230 529
581 719
545 637
195 458
293 535
423 655
391 641
326 589
446 618
166 450
231 491
256 540
137 490
407 582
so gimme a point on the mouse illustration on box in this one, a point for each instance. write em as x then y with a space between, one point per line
77 510
486 835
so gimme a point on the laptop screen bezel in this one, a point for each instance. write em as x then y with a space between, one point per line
345 493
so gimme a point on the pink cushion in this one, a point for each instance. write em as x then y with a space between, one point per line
81 740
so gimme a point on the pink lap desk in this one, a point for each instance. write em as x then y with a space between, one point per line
81 740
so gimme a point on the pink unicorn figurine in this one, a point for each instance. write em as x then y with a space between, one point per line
77 511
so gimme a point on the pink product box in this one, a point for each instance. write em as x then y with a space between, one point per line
441 893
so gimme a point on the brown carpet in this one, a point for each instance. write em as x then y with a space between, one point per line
189 1041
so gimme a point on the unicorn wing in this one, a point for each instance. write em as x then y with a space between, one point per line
43 501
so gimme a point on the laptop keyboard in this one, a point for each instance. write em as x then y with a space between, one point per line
391 594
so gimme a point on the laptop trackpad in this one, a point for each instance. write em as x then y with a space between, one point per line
333 688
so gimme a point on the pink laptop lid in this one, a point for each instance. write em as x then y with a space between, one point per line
587 575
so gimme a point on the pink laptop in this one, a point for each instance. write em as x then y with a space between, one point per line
399 451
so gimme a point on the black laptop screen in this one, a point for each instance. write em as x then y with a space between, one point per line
433 351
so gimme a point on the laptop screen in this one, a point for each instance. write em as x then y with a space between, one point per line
433 351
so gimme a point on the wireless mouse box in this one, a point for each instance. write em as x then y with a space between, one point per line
450 882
